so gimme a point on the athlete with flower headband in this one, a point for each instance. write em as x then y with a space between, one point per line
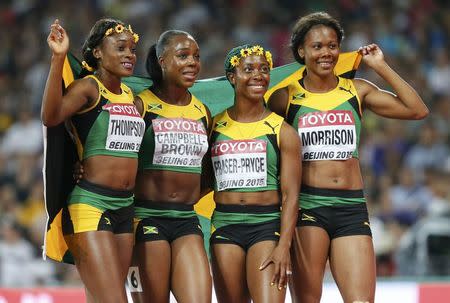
97 221
255 159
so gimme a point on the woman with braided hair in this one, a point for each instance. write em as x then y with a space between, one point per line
256 161
97 221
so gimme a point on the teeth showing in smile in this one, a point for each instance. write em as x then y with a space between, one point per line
325 64
127 65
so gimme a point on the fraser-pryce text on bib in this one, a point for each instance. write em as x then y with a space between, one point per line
240 163
125 128
328 135
179 142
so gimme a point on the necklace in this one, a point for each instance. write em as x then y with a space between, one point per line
245 129
235 118
184 100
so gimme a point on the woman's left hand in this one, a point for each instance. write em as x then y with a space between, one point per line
281 259
371 55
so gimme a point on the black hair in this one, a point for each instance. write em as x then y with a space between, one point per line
156 50
304 24
95 38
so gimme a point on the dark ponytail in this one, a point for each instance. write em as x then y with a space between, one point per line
152 66
157 50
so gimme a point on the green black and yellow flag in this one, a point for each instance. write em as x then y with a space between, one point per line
60 151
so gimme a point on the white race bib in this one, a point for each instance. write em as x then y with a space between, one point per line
240 163
179 142
329 135
125 128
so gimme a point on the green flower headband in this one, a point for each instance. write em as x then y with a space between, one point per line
234 56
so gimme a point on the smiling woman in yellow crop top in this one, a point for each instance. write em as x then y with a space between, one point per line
98 220
326 111
255 157
169 248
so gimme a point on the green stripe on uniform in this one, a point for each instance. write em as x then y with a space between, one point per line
308 201
141 213
80 195
220 219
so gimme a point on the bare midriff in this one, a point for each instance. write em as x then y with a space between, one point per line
268 197
168 186
117 173
332 174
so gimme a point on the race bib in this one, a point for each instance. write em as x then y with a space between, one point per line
179 142
240 163
329 135
125 128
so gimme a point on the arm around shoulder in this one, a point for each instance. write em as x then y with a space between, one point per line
278 101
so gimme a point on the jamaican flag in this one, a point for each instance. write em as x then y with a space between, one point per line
60 151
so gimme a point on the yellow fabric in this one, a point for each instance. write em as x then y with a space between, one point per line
55 245
324 101
222 123
84 217
205 206
67 73
346 63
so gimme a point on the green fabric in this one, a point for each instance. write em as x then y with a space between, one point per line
80 195
220 219
216 93
141 213
308 201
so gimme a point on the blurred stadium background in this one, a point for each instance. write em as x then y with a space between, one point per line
406 165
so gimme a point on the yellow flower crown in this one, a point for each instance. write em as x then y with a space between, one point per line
119 28
257 50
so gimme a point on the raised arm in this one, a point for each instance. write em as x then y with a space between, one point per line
56 107
404 104
290 179
278 101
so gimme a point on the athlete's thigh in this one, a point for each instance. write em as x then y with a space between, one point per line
229 273
309 255
259 280
124 244
98 263
352 261
153 260
190 274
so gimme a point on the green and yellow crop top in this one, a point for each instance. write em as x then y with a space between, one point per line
328 123
112 126
246 156
176 136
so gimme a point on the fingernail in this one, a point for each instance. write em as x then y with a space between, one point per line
279 287
272 284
